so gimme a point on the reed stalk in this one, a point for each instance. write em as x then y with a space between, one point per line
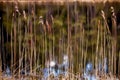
1 45
114 35
97 45
119 64
14 44
19 39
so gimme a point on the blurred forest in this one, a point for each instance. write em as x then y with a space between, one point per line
33 33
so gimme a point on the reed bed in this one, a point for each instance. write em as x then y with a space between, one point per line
64 40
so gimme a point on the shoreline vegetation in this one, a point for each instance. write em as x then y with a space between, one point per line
61 1
60 40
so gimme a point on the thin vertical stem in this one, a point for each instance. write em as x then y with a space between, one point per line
96 59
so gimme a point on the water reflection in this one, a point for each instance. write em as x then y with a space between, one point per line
65 64
8 72
89 77
105 67
89 70
89 67
99 66
52 69
57 69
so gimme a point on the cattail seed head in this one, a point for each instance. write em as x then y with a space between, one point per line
113 12
41 19
103 14
16 8
112 9
24 14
